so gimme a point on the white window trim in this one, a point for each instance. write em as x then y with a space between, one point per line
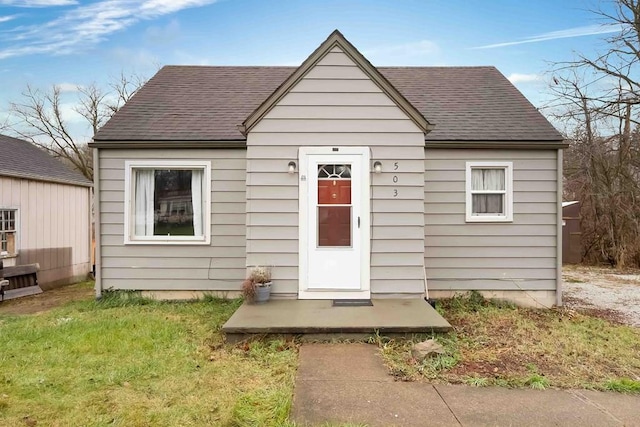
5 254
130 165
508 202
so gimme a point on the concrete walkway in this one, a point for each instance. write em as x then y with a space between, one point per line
348 383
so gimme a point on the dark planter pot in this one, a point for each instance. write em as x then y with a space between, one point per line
263 293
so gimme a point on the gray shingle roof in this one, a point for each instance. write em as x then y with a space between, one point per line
190 103
21 159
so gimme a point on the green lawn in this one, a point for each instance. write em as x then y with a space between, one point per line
128 361
132 362
499 344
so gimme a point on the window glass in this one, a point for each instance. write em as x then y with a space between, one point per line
8 231
334 205
168 202
488 188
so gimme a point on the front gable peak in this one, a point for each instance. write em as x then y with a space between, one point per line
336 42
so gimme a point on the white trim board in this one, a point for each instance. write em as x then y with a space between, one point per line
168 164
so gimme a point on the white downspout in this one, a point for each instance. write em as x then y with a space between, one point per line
426 288
96 215
559 191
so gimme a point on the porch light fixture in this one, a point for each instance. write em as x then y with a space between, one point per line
292 167
377 167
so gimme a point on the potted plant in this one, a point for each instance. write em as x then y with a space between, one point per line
257 287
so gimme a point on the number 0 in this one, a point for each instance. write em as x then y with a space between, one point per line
395 178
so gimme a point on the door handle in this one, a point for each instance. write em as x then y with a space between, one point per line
358 222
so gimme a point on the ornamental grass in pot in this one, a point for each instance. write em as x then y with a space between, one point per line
257 287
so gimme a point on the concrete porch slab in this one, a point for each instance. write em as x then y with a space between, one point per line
315 317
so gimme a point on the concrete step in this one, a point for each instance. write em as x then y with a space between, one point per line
319 319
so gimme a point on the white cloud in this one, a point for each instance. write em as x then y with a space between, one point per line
38 3
163 7
420 48
587 30
7 18
68 87
523 78
87 25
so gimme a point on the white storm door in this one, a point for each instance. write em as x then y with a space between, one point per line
335 223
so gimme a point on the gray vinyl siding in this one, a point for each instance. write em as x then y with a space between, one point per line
336 104
219 266
491 256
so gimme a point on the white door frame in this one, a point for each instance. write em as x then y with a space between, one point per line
303 224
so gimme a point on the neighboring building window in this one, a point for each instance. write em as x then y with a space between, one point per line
489 191
8 230
168 202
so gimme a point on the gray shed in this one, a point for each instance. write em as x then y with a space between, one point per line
349 180
44 214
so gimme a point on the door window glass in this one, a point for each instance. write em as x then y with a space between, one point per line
334 205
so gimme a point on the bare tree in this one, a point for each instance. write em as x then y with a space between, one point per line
597 99
39 117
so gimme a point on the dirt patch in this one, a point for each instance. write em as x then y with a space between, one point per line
603 292
48 299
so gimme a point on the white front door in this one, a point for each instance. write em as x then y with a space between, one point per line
334 222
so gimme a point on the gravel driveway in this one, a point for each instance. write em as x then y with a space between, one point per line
605 290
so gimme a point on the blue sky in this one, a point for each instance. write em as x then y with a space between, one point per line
74 42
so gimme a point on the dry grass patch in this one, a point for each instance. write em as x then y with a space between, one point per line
495 343
134 362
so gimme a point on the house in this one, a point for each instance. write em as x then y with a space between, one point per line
352 181
44 214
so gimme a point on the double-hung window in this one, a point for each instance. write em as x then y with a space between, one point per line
8 230
168 202
489 192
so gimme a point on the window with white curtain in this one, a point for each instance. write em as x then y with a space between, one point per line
167 202
489 192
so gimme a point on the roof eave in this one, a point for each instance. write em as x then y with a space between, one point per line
170 143
39 178
501 144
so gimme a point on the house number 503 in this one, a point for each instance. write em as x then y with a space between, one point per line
395 178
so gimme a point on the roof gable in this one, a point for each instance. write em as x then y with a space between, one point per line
21 159
336 42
